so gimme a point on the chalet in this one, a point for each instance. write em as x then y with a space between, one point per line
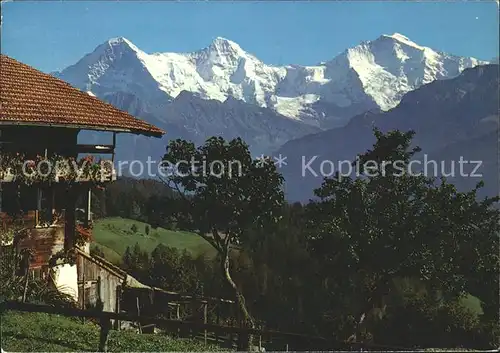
45 194
43 179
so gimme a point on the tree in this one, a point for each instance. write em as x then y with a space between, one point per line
98 204
135 212
136 261
127 258
390 224
162 211
225 193
280 281
97 251
146 229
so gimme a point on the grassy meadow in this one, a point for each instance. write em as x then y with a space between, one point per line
114 235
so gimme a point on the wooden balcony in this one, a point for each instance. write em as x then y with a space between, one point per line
61 174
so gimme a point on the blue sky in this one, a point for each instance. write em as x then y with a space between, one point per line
51 35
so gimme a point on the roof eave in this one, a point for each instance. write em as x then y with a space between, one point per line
148 133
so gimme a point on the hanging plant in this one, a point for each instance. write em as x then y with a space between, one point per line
63 257
55 168
83 235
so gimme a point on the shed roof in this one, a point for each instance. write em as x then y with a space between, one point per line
31 97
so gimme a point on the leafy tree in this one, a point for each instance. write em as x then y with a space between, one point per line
281 275
128 197
127 258
135 212
97 251
154 211
98 204
163 212
136 261
389 224
232 195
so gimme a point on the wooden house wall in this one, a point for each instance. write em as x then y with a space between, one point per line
45 242
98 283
108 289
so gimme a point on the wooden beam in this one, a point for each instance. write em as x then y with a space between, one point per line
114 145
205 320
138 313
38 206
217 322
82 268
84 127
88 207
180 298
118 306
70 219
102 149
105 324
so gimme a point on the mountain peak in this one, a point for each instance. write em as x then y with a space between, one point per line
398 37
225 46
221 41
221 52
122 42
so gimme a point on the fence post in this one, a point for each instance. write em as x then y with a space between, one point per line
98 289
82 267
118 306
103 336
138 313
26 269
218 323
231 315
243 341
205 320
105 324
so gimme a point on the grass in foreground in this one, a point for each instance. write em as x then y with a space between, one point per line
39 332
113 235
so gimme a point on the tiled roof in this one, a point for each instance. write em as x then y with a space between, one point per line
31 97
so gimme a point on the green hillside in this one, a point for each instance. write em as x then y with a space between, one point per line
114 235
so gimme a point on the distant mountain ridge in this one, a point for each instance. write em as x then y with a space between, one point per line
451 118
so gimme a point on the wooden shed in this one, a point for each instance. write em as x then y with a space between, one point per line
99 279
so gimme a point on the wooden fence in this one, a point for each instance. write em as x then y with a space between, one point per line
284 341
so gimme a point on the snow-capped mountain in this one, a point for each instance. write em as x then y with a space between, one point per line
373 74
223 90
453 119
